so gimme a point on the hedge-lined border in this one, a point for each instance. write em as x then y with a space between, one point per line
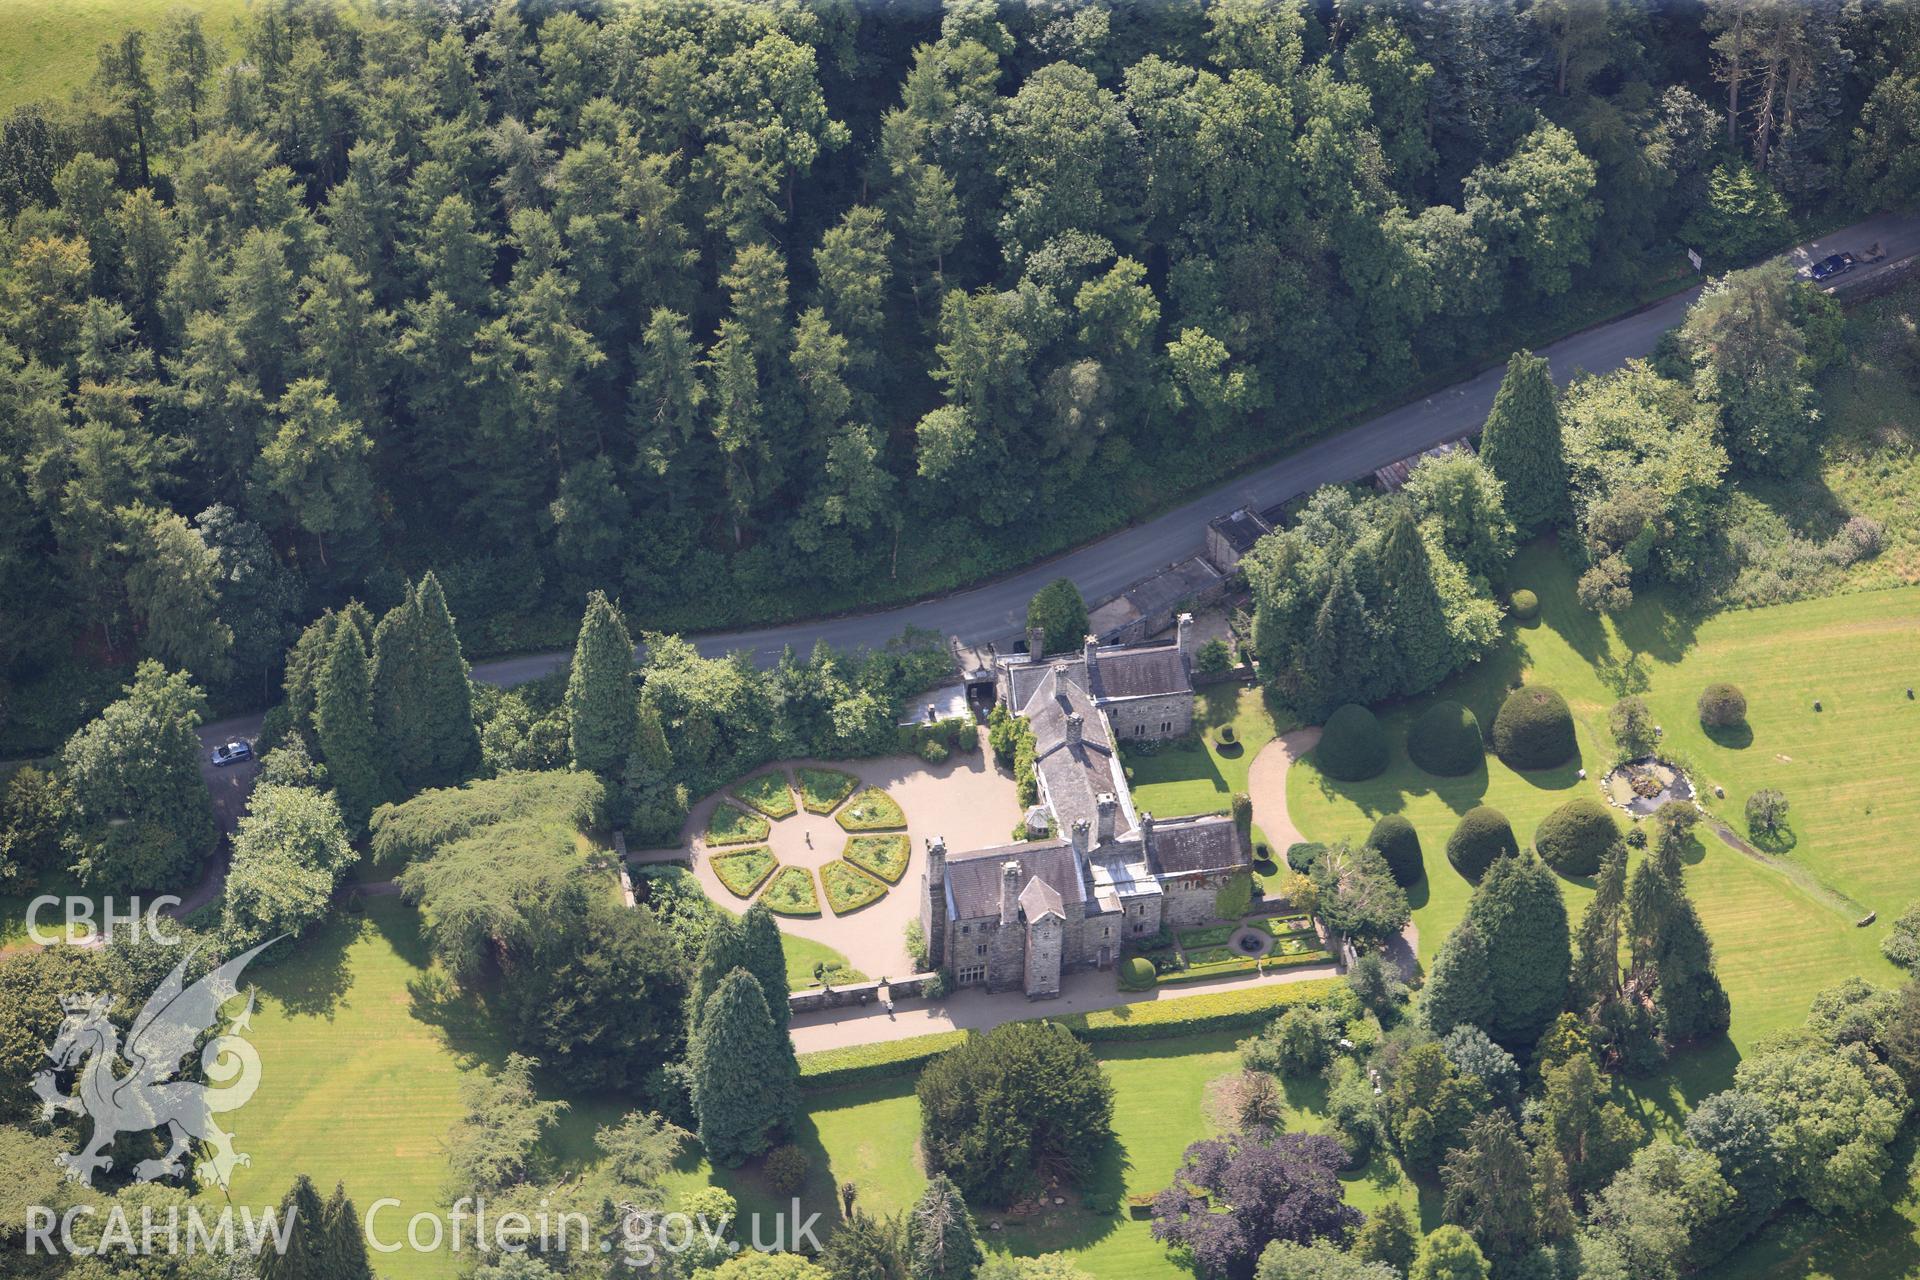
776 781
804 774
1243 1008
718 860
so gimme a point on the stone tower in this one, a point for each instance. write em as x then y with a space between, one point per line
933 902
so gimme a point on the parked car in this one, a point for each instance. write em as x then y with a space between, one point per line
233 752
1832 265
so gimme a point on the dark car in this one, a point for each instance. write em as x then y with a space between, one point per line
232 752
1832 265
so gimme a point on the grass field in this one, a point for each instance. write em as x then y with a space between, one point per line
1782 930
50 44
360 1078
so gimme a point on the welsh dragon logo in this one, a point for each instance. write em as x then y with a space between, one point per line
148 1097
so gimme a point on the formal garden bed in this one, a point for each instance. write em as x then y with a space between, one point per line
792 893
849 888
822 790
767 793
882 856
729 825
744 871
871 810
1216 935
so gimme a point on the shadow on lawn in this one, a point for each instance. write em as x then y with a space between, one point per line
313 981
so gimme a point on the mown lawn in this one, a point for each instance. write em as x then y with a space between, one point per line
1202 777
360 1077
1779 936
50 45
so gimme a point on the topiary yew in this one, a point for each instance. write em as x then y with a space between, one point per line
1483 835
1446 741
1573 838
1534 729
1722 706
1136 973
1525 605
1353 747
1394 838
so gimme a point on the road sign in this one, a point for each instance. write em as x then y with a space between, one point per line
1694 258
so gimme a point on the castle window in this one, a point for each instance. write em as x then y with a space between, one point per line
980 950
966 929
972 973
1166 726
1139 731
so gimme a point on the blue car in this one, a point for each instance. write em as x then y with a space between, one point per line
1832 265
232 753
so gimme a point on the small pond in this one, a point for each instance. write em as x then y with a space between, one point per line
1642 786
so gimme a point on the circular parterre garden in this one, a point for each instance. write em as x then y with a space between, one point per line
873 859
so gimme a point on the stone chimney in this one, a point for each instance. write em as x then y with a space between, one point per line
1076 728
1036 643
933 902
1186 635
1009 892
1090 651
1082 836
1109 807
1146 831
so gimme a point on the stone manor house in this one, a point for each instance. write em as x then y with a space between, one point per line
1018 916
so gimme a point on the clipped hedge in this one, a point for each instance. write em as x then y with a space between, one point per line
729 825
884 857
822 790
1483 835
1353 746
1394 838
1191 1015
1722 706
792 893
848 888
871 810
744 871
766 793
1445 741
1525 605
1136 974
882 1060
1573 838
1302 856
1534 729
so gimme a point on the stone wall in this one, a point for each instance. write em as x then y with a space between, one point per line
1189 902
856 993
1006 956
1043 958
1151 713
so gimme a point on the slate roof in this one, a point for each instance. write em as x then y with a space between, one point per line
1040 900
973 879
1141 673
1025 677
1073 775
1190 845
1241 529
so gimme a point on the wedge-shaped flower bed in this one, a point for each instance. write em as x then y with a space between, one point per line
768 793
882 856
729 825
849 888
792 893
821 790
744 871
871 810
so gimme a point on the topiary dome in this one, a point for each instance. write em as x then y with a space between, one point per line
1525 605
1483 835
1395 840
1353 746
1446 740
1136 974
1722 706
1573 838
1534 729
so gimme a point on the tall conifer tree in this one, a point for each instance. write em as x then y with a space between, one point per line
1522 445
742 1093
600 694
343 721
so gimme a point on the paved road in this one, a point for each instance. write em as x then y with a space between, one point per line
997 609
